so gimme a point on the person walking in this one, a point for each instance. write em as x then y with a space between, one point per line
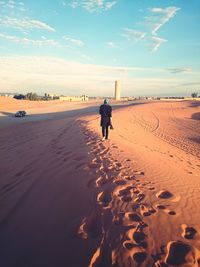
105 111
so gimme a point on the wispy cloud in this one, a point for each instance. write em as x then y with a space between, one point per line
25 24
133 35
11 7
159 17
154 21
179 70
27 41
73 41
93 5
157 42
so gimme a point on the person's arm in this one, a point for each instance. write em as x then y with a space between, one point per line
111 115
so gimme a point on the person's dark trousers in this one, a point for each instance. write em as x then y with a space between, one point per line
105 131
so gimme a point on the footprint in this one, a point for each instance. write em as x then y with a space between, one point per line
188 232
133 217
151 188
164 194
138 236
139 256
124 192
160 207
119 182
104 198
90 226
137 252
101 181
139 197
146 211
128 245
171 212
130 178
179 253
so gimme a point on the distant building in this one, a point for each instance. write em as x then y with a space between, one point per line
117 90
74 98
51 96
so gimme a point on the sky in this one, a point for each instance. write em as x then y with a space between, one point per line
75 47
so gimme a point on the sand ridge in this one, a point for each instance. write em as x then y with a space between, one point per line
69 199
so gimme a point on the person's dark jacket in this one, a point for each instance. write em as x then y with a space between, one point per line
106 113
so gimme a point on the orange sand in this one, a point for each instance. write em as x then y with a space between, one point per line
69 199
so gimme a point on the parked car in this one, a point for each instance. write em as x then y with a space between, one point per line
20 113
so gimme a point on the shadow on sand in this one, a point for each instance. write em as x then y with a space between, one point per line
38 191
196 116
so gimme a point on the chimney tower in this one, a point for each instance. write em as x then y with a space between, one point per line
117 90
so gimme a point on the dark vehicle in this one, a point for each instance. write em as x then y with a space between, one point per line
20 113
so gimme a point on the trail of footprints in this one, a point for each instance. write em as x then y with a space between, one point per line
119 219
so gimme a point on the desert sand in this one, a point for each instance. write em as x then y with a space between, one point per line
69 199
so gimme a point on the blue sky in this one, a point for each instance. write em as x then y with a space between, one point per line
77 47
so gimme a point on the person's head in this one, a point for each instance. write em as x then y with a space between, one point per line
106 101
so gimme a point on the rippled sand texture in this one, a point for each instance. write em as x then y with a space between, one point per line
69 199
149 198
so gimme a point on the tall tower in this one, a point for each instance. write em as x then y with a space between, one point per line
117 90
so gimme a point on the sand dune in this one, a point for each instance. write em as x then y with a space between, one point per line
69 199
154 203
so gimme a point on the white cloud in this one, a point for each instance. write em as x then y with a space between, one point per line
93 5
25 24
73 41
133 35
10 7
160 16
27 41
157 42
